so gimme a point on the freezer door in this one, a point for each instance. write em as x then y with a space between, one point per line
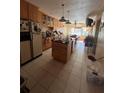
25 51
37 44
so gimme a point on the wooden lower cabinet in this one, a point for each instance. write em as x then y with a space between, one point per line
25 50
61 52
46 43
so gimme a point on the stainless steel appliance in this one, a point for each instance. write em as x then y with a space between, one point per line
25 42
36 38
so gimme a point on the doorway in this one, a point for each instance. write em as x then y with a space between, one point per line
80 32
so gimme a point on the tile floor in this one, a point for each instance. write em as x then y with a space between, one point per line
46 75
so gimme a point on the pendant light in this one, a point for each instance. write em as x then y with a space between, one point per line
62 19
75 23
67 21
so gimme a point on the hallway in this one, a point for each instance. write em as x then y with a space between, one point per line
45 75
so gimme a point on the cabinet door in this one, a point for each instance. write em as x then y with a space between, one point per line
23 9
30 12
33 12
25 50
58 24
55 23
39 17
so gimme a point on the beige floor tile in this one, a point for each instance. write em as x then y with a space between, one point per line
31 82
78 64
69 89
45 73
38 89
83 86
64 75
47 80
92 88
37 75
73 82
27 66
57 87
31 69
76 74
23 73
52 69
68 67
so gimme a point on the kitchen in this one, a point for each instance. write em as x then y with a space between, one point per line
49 51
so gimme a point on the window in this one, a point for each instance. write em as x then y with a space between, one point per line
78 32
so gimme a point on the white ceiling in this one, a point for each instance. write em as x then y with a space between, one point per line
79 9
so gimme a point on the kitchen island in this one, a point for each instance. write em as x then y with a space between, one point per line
62 51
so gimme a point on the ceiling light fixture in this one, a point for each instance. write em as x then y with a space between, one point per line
62 19
67 21
75 23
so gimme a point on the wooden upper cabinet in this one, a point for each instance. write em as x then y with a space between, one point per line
55 23
51 23
59 24
39 17
33 12
23 9
30 12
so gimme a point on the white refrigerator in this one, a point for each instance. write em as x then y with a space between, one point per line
36 39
